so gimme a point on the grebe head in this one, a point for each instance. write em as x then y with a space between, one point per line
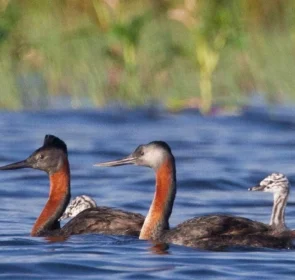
77 205
49 158
151 155
274 183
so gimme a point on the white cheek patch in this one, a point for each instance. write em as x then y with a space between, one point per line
154 157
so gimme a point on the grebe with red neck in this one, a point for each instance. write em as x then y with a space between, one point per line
208 232
156 155
52 158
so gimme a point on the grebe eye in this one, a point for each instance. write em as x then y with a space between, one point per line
41 156
142 153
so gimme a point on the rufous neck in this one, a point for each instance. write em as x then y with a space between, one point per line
59 197
159 213
277 220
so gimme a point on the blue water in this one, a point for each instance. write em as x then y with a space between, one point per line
217 159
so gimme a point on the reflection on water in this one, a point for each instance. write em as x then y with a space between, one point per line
217 159
160 248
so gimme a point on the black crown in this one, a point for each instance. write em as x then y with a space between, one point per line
53 141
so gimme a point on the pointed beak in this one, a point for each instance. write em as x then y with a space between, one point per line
16 165
257 188
124 161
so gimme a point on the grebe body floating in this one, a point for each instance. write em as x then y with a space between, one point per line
52 158
278 184
207 232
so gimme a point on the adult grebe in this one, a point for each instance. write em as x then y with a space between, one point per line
209 232
52 158
278 184
77 205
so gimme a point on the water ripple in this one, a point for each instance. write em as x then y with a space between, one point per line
217 159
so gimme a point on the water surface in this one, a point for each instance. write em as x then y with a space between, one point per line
217 159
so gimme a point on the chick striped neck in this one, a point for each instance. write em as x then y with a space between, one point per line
277 220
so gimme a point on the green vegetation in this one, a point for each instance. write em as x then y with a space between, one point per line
182 53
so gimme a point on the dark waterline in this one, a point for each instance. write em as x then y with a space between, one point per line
217 159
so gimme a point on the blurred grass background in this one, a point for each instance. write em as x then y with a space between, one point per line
180 53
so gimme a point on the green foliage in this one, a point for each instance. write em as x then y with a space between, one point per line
8 20
130 32
180 53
